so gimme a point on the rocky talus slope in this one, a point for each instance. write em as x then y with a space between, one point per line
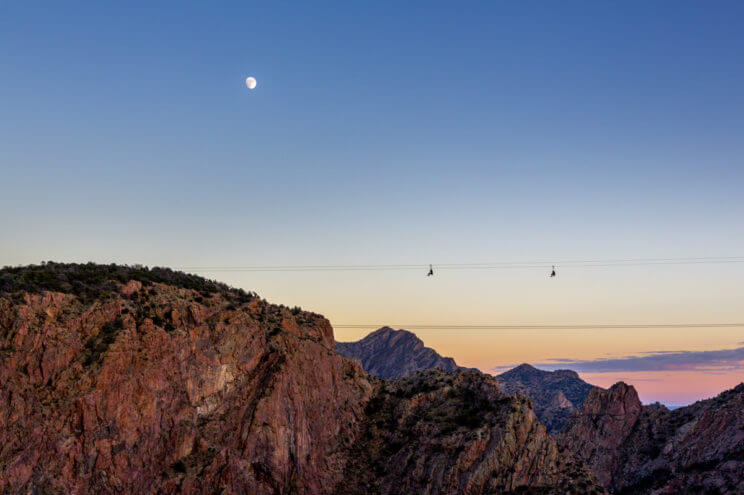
556 395
388 353
130 380
649 449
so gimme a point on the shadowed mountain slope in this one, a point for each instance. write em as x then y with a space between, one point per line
439 432
389 353
556 395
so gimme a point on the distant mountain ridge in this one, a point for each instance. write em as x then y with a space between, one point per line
556 395
388 354
392 354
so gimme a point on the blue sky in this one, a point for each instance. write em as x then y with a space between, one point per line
387 132
422 123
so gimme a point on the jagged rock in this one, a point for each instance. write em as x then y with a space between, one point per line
650 449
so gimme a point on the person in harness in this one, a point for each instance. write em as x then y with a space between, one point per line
552 274
431 271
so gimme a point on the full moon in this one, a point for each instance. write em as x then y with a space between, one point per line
250 82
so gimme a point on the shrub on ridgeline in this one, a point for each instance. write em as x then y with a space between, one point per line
91 281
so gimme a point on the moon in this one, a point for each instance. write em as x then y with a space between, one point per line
251 82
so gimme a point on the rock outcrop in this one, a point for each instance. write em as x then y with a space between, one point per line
556 395
649 449
388 353
131 380
447 433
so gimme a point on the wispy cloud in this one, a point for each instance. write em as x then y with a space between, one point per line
714 361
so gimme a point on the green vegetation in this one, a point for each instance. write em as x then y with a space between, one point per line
90 281
456 402
97 345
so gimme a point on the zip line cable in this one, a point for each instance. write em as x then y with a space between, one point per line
500 265
472 266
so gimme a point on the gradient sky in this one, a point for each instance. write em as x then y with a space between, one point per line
389 132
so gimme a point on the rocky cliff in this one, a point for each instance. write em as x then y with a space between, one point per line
388 353
556 395
136 382
649 449
131 380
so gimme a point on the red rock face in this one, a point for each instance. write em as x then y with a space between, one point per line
251 399
127 385
604 422
649 449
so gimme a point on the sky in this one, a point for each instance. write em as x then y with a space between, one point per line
400 133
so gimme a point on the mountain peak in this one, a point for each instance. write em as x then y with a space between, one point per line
389 353
618 400
555 394
389 331
524 370
383 330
